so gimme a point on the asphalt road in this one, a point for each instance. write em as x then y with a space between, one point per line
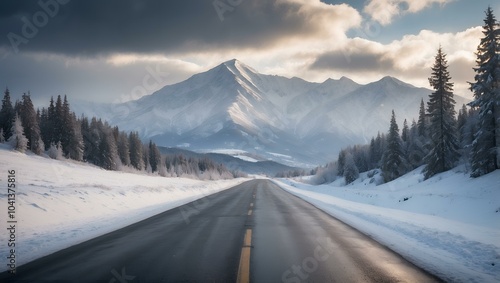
254 231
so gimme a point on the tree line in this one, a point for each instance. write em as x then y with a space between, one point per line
59 133
440 139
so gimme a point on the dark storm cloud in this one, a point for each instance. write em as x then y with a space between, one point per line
95 27
356 61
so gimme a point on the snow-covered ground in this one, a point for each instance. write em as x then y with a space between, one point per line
449 224
62 203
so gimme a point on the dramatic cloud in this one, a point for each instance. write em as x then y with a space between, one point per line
114 79
409 58
383 11
92 27
108 50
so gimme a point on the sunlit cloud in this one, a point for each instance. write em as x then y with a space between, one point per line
384 11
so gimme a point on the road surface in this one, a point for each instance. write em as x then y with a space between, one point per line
254 232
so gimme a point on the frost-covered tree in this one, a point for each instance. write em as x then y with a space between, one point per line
2 136
393 161
18 140
486 89
7 115
444 153
55 151
351 172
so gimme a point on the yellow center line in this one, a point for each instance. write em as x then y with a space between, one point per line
250 212
244 268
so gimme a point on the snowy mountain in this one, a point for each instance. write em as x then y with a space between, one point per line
290 120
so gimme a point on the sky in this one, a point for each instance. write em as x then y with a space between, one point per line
119 50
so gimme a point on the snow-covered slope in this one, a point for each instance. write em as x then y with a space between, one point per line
233 106
448 224
62 203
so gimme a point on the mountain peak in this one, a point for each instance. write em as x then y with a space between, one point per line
232 62
238 68
389 79
392 81
235 63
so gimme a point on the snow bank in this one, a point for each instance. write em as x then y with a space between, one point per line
62 203
449 224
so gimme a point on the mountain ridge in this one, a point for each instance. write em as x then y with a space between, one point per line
289 120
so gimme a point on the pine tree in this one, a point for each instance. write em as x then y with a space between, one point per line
51 124
92 141
405 134
68 129
124 149
154 157
107 150
58 121
29 120
136 151
75 144
441 108
486 89
422 120
145 158
2 136
393 162
341 162
378 150
461 121
7 115
17 139
351 172
86 135
416 147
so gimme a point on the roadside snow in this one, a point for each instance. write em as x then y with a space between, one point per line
63 203
449 224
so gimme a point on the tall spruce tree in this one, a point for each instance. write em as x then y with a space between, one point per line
7 115
444 153
393 161
486 89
